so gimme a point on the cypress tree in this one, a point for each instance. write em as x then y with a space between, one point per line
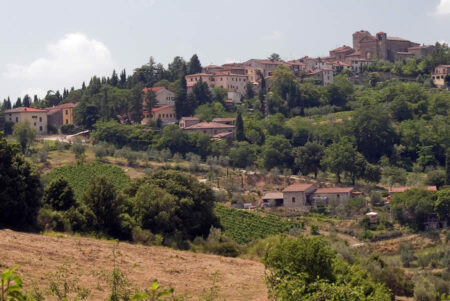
114 79
240 136
194 65
26 101
447 167
181 95
18 103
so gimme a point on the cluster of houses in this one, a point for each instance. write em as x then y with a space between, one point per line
41 119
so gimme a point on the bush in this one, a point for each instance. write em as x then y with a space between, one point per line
406 250
59 195
376 198
51 129
68 129
103 149
42 155
49 219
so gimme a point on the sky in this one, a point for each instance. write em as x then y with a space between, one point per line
54 44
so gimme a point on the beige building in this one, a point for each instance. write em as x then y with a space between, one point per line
165 113
298 196
324 75
439 75
163 96
188 121
337 194
35 117
219 130
60 115
267 66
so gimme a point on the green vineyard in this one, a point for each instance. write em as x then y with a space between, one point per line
244 226
79 176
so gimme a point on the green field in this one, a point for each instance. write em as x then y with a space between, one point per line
79 176
244 226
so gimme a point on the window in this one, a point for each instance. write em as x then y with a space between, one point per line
17 119
67 112
35 124
293 199
67 121
40 128
40 119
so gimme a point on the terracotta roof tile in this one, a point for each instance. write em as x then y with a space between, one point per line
298 187
209 125
272 196
25 109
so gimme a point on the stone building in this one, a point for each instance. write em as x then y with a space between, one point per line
165 113
188 121
35 117
298 196
61 114
439 75
163 96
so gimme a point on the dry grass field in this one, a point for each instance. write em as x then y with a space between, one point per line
91 261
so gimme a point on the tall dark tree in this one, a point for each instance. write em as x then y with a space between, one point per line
150 100
83 86
181 95
447 167
194 65
307 158
135 105
177 68
114 79
35 99
27 101
18 103
249 92
21 191
374 133
275 57
240 136
8 105
59 195
202 93
86 115
123 79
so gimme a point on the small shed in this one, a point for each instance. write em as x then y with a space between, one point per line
373 217
272 199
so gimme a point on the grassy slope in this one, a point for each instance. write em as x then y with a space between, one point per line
90 260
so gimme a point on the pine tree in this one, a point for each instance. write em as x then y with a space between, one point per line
83 86
18 103
26 101
8 104
114 79
123 79
35 99
135 105
194 65
150 100
240 136
181 95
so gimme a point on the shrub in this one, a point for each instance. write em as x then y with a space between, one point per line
68 129
59 195
376 199
406 250
42 155
49 219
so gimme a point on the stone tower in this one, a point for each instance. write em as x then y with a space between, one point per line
358 36
382 52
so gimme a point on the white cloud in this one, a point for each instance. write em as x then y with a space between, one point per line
274 35
68 62
443 8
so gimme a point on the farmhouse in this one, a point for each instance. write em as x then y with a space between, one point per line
163 96
35 117
61 114
298 196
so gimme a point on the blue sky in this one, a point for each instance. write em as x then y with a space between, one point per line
52 44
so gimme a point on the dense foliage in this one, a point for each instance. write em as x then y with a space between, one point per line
20 192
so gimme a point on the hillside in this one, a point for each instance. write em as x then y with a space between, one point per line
189 273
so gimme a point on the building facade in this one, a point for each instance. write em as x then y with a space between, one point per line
60 115
36 118
439 75
164 97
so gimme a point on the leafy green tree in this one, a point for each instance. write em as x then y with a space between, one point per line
20 192
308 157
277 152
338 158
194 65
373 131
442 204
24 135
27 101
156 210
240 134
201 93
413 207
102 199
86 115
59 195
209 111
243 154
340 91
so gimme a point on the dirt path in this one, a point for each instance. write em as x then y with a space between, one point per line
189 273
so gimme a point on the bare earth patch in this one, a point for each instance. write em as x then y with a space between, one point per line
90 260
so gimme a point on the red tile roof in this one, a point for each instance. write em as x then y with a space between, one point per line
68 105
26 110
298 187
154 89
154 110
326 190
344 48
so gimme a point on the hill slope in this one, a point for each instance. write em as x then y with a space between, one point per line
91 260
